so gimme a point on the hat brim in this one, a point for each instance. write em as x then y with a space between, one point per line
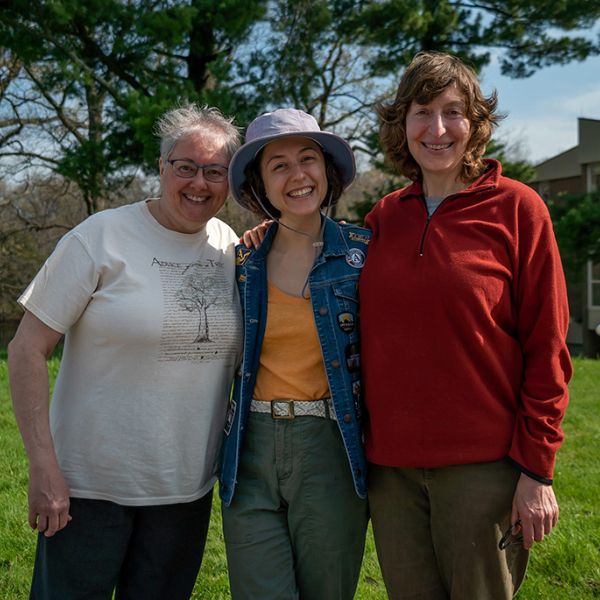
335 146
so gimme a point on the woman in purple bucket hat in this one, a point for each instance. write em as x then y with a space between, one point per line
293 471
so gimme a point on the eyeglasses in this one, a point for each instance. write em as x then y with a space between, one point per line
508 538
182 167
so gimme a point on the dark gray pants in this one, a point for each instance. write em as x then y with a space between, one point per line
149 552
295 527
437 531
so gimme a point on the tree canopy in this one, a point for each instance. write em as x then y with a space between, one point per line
82 83
576 219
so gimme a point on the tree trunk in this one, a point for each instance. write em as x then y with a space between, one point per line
94 190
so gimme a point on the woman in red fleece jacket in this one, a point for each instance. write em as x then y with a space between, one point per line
463 320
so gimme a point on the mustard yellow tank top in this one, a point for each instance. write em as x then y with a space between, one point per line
291 362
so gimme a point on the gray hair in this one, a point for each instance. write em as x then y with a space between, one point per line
180 122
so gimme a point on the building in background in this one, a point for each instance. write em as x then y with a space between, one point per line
577 171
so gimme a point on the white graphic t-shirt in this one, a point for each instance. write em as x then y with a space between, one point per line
153 336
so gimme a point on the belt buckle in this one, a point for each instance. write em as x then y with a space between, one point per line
289 409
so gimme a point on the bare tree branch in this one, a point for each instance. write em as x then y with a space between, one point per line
58 108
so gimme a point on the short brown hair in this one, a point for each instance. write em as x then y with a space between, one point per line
253 186
425 78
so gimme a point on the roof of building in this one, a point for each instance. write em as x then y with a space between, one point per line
568 163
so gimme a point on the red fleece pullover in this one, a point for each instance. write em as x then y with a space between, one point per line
463 321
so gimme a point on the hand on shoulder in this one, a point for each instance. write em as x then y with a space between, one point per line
253 238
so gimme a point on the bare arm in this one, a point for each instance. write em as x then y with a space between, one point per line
28 375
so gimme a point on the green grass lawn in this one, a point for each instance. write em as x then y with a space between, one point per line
565 566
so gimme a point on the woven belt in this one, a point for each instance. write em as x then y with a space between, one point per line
290 409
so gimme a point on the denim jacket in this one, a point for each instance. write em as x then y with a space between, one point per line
333 282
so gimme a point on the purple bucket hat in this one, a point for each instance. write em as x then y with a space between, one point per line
286 122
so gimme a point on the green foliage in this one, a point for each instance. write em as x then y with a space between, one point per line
95 75
86 164
21 255
83 82
512 166
563 567
529 35
576 220
387 183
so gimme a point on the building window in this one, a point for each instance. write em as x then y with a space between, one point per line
594 282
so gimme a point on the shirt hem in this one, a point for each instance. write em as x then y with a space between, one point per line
146 501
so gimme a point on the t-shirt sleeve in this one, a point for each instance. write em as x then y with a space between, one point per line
231 236
64 285
221 235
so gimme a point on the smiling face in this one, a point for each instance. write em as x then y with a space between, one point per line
186 205
294 175
437 134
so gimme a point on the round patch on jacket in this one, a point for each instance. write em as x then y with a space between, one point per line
355 258
346 322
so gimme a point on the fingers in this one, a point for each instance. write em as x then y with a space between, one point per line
246 239
32 518
527 530
535 505
41 524
53 525
50 524
49 521
256 238
49 502
536 528
263 228
253 238
515 521
56 523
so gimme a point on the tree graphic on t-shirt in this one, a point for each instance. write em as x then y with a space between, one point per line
199 291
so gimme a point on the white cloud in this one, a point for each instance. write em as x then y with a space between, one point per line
543 109
541 137
586 104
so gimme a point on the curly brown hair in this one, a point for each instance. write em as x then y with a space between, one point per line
425 78
253 186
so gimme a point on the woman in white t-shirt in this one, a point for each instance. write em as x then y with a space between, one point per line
123 461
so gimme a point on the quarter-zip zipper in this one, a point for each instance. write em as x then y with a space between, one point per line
422 244
480 189
429 217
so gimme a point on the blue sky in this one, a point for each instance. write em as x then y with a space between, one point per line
543 109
